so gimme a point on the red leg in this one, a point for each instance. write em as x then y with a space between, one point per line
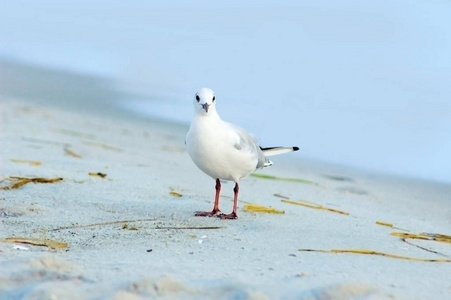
233 214
215 210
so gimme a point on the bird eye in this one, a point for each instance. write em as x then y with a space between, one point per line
214 98
197 98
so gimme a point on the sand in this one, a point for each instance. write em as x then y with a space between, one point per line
132 234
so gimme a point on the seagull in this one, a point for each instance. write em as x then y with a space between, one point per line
222 150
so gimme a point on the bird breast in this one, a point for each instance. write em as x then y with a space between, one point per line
217 151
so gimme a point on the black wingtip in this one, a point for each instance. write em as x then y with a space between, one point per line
295 148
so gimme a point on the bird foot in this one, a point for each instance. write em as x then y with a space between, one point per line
231 216
207 213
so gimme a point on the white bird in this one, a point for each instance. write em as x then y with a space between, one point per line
222 150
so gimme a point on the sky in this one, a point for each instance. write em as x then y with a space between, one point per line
359 83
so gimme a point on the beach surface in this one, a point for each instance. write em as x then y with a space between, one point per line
100 205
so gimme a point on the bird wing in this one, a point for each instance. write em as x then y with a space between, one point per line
246 141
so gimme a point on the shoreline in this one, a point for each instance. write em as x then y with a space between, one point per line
97 95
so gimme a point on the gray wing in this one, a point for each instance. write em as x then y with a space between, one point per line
249 142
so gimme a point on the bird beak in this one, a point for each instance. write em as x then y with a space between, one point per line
205 106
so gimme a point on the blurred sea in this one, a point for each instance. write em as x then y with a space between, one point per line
359 83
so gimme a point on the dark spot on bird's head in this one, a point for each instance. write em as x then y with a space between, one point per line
197 98
214 98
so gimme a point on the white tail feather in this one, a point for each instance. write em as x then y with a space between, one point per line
278 150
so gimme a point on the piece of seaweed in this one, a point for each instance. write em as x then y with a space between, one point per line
314 206
21 181
261 208
379 253
270 177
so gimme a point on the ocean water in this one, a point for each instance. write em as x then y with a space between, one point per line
359 83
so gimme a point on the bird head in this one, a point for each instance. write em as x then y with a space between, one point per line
204 101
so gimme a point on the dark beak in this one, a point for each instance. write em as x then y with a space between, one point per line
205 106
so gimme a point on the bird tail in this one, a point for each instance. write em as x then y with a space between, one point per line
270 151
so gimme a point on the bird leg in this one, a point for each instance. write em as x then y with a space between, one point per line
215 210
233 214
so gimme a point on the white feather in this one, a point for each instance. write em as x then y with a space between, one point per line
277 150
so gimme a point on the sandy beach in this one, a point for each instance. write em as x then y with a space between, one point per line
116 219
